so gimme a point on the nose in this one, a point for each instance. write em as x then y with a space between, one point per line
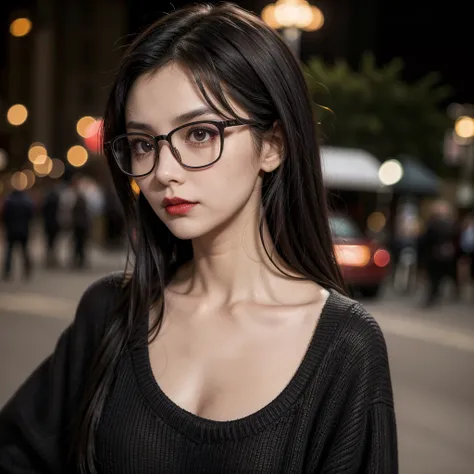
168 169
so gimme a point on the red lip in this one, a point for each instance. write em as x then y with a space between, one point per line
174 201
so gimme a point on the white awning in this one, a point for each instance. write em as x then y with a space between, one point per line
350 168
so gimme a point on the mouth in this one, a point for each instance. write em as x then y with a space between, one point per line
177 206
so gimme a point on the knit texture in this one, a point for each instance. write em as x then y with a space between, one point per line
335 416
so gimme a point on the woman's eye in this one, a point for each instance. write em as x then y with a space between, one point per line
201 135
141 147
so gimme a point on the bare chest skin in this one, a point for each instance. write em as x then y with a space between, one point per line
227 364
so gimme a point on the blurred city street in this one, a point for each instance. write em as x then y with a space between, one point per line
431 352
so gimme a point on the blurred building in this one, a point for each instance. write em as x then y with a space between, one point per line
60 71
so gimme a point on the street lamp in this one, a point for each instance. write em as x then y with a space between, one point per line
293 16
464 130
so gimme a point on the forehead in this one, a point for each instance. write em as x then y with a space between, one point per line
167 93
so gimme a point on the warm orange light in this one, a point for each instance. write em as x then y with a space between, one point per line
77 156
19 181
31 178
464 127
43 168
20 27
317 19
352 255
83 125
293 14
268 16
17 114
135 187
37 153
381 258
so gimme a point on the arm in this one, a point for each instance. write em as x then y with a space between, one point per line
34 424
365 437
380 456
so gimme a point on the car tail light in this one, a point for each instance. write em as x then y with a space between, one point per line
352 255
381 258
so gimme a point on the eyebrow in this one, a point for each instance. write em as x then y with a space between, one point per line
178 120
193 114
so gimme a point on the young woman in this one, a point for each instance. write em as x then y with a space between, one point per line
230 347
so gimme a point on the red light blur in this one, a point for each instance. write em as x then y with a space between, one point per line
93 138
381 258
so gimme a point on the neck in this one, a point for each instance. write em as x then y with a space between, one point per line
232 265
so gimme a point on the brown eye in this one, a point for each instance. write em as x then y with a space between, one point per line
201 135
141 147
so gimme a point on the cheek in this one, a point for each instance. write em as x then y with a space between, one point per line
232 179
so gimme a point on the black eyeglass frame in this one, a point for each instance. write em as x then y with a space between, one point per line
220 125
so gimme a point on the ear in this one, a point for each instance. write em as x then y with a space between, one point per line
273 149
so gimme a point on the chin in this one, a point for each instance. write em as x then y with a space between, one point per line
185 230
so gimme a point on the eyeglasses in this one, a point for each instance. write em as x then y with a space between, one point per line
195 145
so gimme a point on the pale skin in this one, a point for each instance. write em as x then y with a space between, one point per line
235 329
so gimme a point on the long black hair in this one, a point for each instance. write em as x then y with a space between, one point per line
231 53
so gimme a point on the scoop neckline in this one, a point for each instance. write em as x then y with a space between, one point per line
203 429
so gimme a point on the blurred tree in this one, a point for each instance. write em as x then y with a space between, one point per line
375 109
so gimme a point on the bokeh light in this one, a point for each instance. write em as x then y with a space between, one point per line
19 181
293 14
20 27
381 258
390 172
464 127
94 136
77 156
83 125
31 178
376 221
37 153
43 168
317 20
58 168
268 16
17 114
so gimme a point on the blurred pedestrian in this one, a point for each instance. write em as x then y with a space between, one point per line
466 244
81 222
51 224
18 212
437 251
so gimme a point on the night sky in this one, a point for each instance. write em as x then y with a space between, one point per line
429 37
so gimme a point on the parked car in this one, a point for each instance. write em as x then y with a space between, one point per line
364 263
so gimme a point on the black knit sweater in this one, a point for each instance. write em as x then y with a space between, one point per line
336 415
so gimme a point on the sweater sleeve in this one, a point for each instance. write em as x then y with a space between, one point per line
35 421
364 440
380 456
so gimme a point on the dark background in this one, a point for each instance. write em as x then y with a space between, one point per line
429 36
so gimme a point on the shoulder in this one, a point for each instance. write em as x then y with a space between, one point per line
99 300
104 289
361 340
356 324
358 334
